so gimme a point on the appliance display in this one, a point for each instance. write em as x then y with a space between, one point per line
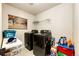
45 32
34 31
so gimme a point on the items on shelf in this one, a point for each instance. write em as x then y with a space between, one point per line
65 47
61 54
53 41
53 51
64 50
69 43
62 40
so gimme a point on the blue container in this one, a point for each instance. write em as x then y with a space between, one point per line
9 33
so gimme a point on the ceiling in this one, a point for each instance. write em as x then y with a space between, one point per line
34 8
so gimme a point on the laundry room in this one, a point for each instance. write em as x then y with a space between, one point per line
38 29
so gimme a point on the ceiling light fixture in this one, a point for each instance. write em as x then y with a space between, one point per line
34 3
31 3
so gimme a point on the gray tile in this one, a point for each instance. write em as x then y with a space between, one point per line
25 52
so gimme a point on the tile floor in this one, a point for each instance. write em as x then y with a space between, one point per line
25 52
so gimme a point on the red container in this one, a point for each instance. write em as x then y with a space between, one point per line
66 51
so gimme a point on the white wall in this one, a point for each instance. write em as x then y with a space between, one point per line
76 28
0 24
61 20
7 9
